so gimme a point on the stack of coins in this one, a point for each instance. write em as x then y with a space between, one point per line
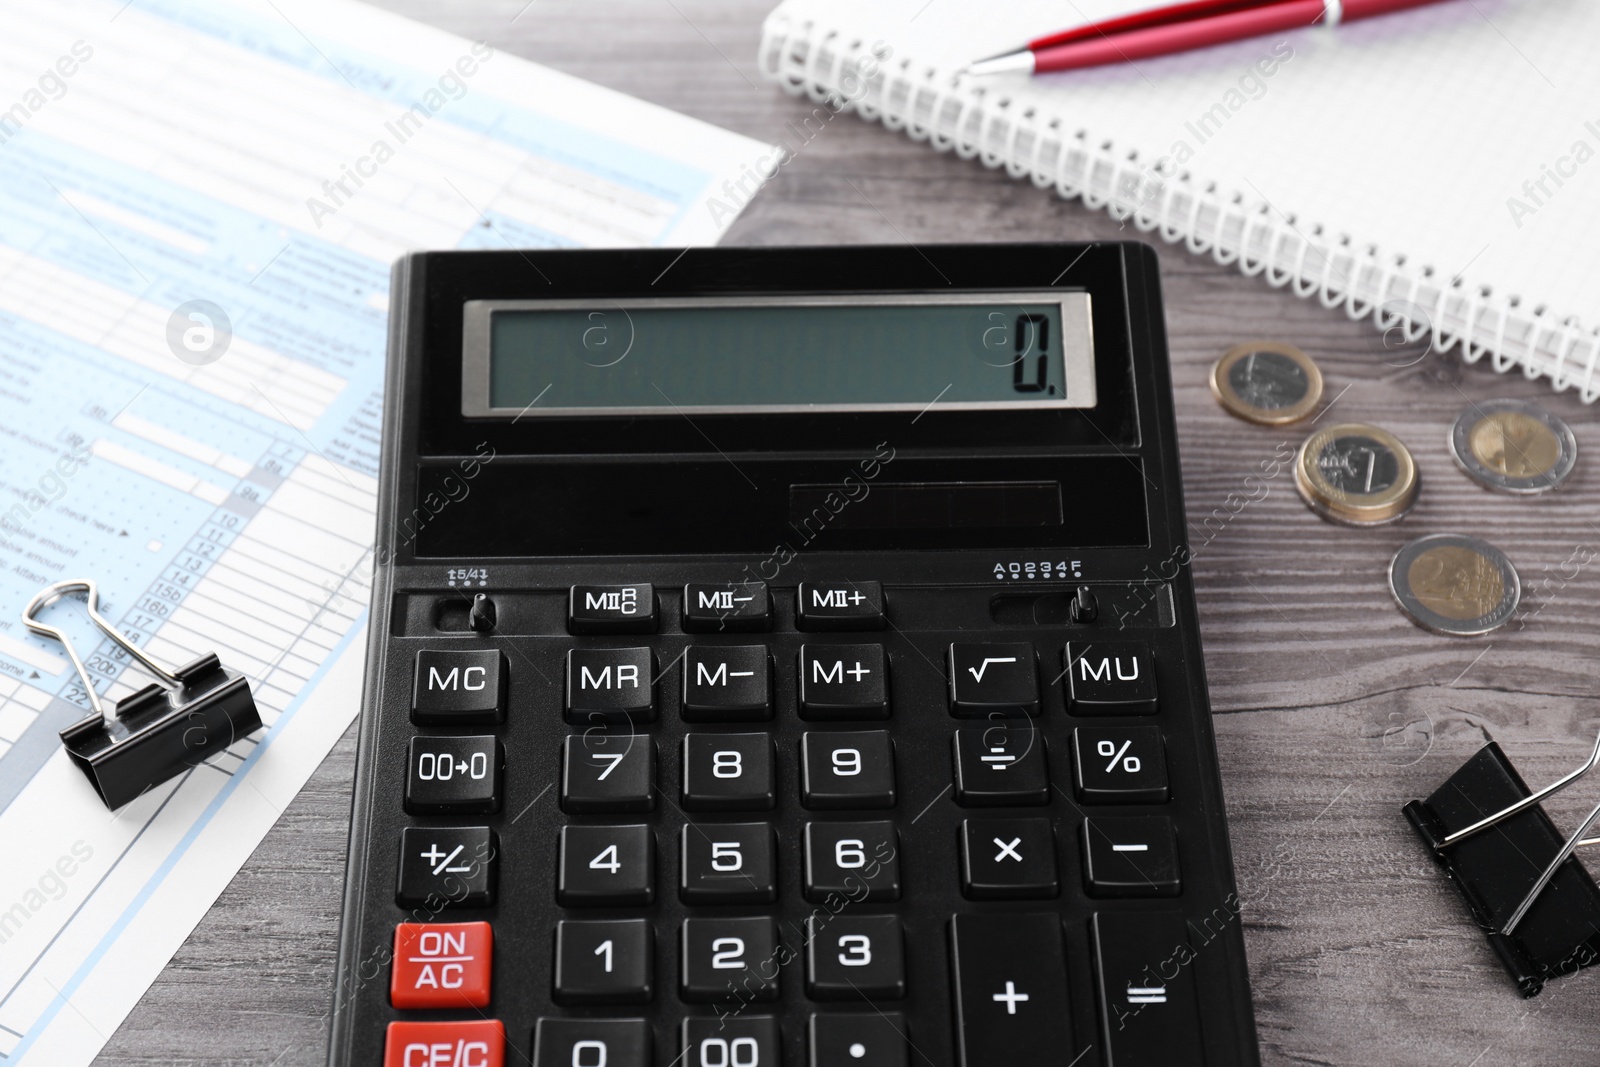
1356 474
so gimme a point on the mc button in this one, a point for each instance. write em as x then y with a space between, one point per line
459 688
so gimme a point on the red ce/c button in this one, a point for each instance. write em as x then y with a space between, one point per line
479 1043
441 965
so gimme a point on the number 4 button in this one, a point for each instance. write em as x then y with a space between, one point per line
606 865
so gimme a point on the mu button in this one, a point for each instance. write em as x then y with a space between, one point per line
1110 678
441 965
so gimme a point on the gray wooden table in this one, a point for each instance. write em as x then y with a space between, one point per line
1332 709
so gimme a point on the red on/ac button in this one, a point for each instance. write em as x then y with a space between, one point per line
441 965
479 1043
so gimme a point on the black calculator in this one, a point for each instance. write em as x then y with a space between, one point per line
785 657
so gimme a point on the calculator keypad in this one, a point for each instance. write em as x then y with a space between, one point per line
784 731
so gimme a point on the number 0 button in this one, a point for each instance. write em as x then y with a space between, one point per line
727 772
606 865
847 770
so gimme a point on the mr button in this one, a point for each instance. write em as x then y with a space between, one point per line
441 965
465 688
1110 678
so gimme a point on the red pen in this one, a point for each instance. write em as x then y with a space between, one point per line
1178 28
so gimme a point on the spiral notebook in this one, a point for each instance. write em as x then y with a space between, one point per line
1438 169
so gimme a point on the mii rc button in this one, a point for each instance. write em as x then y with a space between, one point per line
470 1043
612 609
441 965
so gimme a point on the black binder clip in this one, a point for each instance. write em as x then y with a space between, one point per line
1522 883
158 732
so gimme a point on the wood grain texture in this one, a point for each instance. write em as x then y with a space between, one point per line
1333 710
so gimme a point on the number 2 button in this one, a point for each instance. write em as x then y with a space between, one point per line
606 865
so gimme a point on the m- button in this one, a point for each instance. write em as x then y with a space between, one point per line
822 606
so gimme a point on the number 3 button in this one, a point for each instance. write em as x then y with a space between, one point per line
847 770
850 956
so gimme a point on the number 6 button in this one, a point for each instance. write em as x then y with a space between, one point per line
859 861
847 770
606 865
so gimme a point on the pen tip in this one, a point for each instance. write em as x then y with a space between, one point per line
1008 63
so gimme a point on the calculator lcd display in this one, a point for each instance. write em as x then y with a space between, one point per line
707 356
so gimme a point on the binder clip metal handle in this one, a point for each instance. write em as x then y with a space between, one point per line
158 732
1571 845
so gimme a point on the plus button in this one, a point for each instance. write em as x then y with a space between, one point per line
1011 998
858 671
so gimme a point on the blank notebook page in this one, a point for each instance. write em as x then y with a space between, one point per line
1463 136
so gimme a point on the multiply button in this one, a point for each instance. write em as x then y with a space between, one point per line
843 682
1110 678
737 607
469 1043
446 775
993 679
1010 976
1008 858
611 609
821 606
465 688
1120 764
1130 857
441 965
1147 992
447 866
727 682
1001 765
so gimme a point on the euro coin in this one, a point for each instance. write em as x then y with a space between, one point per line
1267 383
1453 584
1357 475
1513 446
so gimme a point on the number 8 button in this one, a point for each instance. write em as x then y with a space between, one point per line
727 772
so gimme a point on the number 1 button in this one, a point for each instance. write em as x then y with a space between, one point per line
606 865
604 962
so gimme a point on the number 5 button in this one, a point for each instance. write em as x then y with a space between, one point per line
847 770
606 865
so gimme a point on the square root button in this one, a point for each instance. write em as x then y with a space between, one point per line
993 678
441 965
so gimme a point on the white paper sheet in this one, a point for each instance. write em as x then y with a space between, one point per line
269 159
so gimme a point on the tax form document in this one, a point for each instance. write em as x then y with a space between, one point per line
199 203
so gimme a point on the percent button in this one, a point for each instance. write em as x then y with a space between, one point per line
1119 765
